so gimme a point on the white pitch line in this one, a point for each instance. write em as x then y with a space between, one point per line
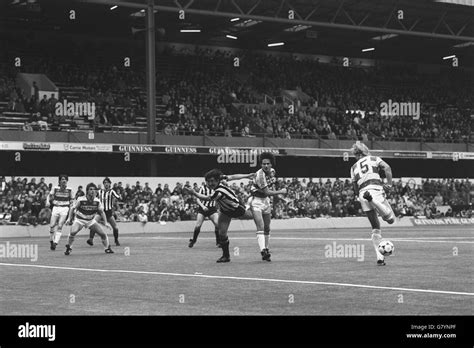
324 239
245 278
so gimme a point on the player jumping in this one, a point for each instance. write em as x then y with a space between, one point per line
228 204
206 209
260 203
85 210
106 197
368 186
60 199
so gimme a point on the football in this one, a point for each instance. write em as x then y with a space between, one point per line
386 248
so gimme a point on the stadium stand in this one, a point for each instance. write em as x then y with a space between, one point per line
24 202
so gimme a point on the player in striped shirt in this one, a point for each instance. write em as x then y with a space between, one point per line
260 203
60 199
107 197
206 209
368 186
84 212
228 204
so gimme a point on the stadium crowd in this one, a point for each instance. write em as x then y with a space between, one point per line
198 89
24 202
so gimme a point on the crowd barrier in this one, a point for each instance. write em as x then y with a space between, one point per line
129 228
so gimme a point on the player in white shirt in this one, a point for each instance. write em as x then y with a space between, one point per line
260 203
368 186
60 199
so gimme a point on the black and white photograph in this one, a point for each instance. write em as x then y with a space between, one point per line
236 172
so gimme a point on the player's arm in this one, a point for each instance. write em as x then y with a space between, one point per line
100 210
238 176
72 211
116 195
388 173
354 183
197 194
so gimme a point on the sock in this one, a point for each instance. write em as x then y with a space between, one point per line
216 231
384 210
197 230
91 234
51 236
261 240
57 236
105 242
70 240
225 247
267 240
376 238
115 232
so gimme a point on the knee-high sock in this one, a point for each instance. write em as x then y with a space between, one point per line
225 246
70 240
267 239
216 231
376 239
51 235
384 210
105 241
57 235
261 240
197 230
115 230
91 234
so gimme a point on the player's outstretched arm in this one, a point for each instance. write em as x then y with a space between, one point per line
388 173
267 192
197 194
238 176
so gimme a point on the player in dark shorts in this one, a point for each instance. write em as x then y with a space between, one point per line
228 205
207 209
107 196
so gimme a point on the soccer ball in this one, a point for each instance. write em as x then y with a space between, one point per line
386 248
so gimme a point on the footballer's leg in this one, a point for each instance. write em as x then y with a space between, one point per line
197 229
90 241
376 235
113 224
215 220
259 224
378 201
57 235
52 227
103 236
223 223
266 232
76 227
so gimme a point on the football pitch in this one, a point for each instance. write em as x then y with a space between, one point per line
430 273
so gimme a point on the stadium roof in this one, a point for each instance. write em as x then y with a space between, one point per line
411 30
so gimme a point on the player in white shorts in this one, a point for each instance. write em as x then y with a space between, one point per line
60 199
260 202
85 210
368 186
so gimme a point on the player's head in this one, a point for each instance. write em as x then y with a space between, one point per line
267 161
360 150
90 189
213 178
107 183
63 179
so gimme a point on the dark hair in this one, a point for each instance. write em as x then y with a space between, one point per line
268 156
63 176
90 185
107 180
213 173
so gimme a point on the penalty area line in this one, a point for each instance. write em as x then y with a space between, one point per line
288 281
